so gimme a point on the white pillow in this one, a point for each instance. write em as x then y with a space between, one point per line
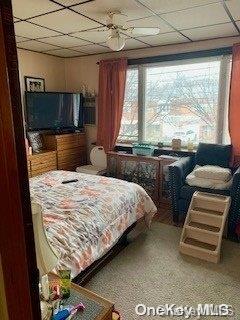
192 180
213 172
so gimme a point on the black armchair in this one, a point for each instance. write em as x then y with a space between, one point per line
181 193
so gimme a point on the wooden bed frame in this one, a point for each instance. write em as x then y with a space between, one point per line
83 277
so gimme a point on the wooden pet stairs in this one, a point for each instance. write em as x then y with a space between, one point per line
204 226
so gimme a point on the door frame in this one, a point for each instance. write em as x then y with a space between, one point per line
17 249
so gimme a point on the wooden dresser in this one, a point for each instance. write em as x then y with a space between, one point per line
62 152
44 161
71 149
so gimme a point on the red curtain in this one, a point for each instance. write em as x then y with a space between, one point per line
234 104
112 80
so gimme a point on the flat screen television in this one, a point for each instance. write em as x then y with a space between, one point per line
54 111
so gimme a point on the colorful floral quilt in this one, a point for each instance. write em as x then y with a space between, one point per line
84 219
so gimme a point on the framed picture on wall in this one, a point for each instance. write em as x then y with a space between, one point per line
34 84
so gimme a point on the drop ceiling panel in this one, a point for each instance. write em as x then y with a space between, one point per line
93 35
134 44
29 8
65 21
163 39
92 49
217 31
64 53
238 23
162 6
197 17
98 9
25 29
234 8
35 46
21 39
65 41
68 3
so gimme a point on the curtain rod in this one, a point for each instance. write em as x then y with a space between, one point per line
181 56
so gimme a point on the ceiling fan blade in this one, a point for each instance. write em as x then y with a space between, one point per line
103 29
144 31
116 18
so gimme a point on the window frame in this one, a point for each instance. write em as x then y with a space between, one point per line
223 92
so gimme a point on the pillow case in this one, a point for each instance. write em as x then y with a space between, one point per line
213 172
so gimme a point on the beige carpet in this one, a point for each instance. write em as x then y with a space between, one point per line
151 271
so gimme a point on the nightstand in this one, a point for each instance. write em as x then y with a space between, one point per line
96 307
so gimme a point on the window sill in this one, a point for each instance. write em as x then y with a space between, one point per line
120 146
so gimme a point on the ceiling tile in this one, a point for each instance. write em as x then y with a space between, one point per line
93 35
64 53
153 22
29 8
32 31
65 41
65 21
162 6
216 31
234 8
98 9
134 44
162 39
20 39
69 3
35 46
197 17
238 23
92 49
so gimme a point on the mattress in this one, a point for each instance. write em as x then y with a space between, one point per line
84 219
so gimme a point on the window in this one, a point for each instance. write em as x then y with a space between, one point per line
180 100
129 124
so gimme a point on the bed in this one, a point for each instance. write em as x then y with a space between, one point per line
83 220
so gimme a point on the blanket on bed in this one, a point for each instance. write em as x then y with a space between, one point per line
84 219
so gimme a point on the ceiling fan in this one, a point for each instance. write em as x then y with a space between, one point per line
115 25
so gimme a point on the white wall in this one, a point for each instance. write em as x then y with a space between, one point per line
51 68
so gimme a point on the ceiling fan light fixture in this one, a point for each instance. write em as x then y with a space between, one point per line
115 42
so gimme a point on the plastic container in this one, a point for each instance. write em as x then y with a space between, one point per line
142 149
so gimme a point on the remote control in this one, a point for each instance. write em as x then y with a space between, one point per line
69 181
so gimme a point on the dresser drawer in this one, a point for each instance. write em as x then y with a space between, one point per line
65 142
72 155
43 157
42 165
38 171
43 162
